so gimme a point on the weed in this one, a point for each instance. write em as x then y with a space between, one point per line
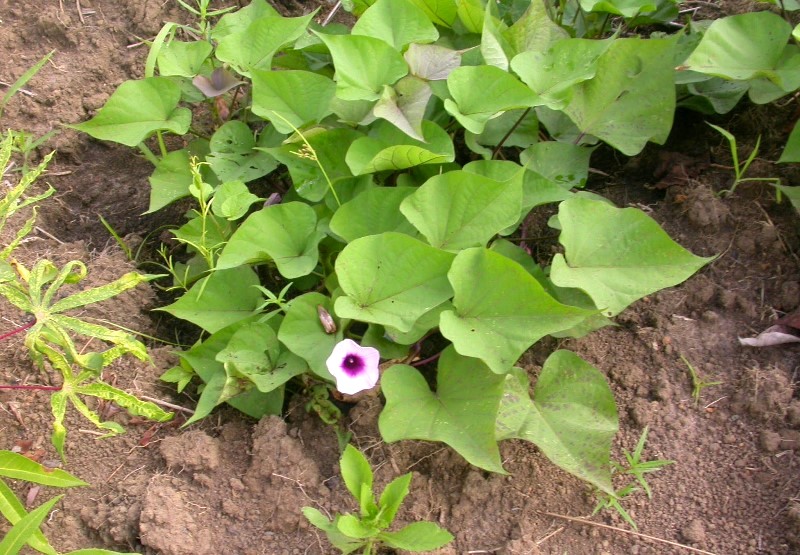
698 383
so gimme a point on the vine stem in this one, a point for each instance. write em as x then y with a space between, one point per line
16 331
508 134
425 361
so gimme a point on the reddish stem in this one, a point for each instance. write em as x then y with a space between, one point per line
33 387
425 361
16 331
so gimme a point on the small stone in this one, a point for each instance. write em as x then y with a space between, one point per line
694 531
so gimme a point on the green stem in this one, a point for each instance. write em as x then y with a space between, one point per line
161 144
147 153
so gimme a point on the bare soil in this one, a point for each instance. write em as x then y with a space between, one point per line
230 485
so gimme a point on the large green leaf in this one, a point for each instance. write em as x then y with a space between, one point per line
458 209
623 256
234 155
534 30
397 22
183 58
417 536
391 279
292 98
363 65
138 109
221 299
553 73
388 148
631 99
374 211
286 233
482 92
749 46
491 323
572 417
461 413
562 163
254 47
302 332
241 19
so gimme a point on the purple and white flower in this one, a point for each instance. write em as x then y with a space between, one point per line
354 367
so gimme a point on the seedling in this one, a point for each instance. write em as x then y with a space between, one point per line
740 169
698 383
23 80
42 292
368 530
637 468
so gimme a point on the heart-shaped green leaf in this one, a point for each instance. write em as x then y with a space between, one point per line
284 233
493 325
397 22
481 92
391 279
374 211
623 256
291 98
234 155
458 209
572 417
461 413
302 332
138 109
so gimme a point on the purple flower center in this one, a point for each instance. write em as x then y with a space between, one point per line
353 365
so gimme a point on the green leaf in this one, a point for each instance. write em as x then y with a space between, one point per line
404 105
136 110
58 406
481 92
562 163
232 200
470 14
241 19
791 152
397 22
363 65
331 147
25 529
625 8
534 30
215 302
354 527
388 148
99 293
253 353
284 233
171 179
296 97
631 99
392 497
440 12
234 154
492 325
431 61
748 46
372 212
417 536
131 403
92 551
183 58
13 510
356 471
19 467
461 413
458 209
302 332
572 417
622 257
552 73
254 47
495 49
391 279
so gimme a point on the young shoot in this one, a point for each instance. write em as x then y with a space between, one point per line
698 383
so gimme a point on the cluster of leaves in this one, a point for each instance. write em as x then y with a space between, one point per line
366 532
400 236
25 526
40 292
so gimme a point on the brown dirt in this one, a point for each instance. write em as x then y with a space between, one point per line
229 485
